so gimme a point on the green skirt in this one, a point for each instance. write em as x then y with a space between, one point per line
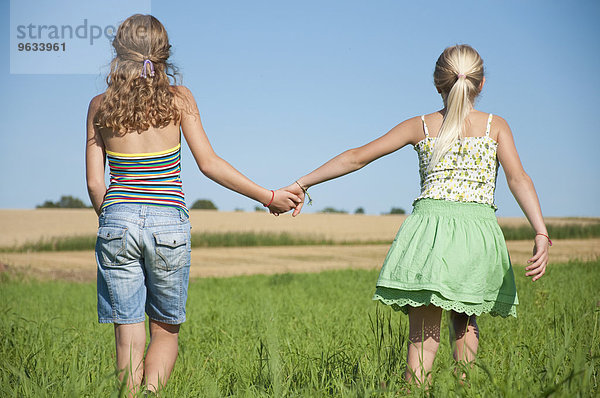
452 255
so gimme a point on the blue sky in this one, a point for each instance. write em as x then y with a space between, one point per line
284 86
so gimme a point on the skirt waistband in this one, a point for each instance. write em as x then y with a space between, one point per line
449 208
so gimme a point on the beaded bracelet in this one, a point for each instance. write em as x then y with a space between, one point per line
305 192
547 237
272 197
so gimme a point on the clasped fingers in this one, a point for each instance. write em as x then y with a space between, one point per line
283 201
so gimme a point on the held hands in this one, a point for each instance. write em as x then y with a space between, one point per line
283 201
537 263
296 190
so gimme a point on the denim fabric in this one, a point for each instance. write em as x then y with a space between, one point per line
143 256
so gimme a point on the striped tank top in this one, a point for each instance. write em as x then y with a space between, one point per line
146 178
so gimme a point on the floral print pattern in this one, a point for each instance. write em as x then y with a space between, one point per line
467 173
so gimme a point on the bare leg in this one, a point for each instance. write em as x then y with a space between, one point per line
465 333
464 338
130 341
161 355
424 340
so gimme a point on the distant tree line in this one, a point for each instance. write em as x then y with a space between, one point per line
396 210
204 204
361 210
65 202
70 202
333 210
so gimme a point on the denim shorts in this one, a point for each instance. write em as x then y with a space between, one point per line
143 256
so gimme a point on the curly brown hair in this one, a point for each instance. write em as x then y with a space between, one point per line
133 102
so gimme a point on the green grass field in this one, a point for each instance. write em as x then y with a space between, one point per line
303 335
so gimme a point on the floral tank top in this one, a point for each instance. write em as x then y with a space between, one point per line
467 173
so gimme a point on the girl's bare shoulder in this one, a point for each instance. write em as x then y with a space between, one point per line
433 119
499 126
184 100
413 122
182 92
96 101
496 119
95 105
499 121
411 128
432 115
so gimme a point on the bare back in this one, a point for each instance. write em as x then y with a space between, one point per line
150 140
475 126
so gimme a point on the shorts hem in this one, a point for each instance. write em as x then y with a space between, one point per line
169 321
121 321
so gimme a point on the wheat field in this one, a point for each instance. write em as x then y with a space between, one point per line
226 262
20 226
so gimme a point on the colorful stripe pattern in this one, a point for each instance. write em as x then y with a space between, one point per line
146 178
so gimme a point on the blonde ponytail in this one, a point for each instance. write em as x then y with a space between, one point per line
457 76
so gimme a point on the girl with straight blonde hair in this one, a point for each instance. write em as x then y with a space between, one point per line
449 254
143 245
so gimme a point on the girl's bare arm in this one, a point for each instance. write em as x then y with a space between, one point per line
407 132
522 188
94 158
219 170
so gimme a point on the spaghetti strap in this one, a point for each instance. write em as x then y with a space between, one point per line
489 124
425 130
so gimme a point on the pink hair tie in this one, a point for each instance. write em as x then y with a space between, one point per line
144 69
461 75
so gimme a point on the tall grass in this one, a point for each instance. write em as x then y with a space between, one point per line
566 231
204 239
250 239
55 244
304 335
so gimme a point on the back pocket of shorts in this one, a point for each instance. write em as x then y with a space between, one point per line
171 250
110 244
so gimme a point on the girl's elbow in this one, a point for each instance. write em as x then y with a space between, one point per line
208 165
354 159
95 185
518 178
